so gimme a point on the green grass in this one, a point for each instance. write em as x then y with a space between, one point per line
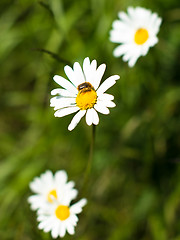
134 187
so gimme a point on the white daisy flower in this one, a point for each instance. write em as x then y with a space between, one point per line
59 217
83 93
136 32
48 188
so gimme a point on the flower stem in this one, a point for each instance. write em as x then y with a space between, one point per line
89 163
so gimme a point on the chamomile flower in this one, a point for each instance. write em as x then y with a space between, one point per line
136 32
60 217
48 188
83 93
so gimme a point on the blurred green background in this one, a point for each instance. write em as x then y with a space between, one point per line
134 186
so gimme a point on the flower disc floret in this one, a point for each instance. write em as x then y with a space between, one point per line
52 195
141 36
62 212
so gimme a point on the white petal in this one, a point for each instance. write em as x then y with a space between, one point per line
42 224
46 209
109 104
47 223
99 73
101 108
65 104
76 119
95 117
132 61
36 185
119 25
152 41
86 66
62 92
73 219
67 196
144 50
134 53
53 100
153 19
120 50
72 76
127 56
131 12
65 84
62 230
123 16
93 65
41 218
47 178
61 177
58 103
77 207
70 184
109 82
65 111
47 228
116 37
70 229
35 201
78 72
89 116
89 70
106 96
157 25
55 230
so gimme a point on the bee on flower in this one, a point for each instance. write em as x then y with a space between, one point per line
83 93
136 32
52 202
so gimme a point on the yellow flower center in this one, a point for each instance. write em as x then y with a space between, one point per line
87 96
52 195
141 36
62 212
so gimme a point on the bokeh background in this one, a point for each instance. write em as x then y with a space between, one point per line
134 187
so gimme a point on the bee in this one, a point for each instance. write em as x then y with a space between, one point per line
85 87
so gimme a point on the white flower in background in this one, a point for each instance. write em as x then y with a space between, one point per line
60 217
83 93
49 188
136 32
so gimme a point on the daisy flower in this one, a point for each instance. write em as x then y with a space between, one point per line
60 217
83 93
48 188
136 32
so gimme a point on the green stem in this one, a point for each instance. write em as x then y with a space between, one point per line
89 163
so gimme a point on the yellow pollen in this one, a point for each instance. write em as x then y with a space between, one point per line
52 195
87 96
141 36
62 212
